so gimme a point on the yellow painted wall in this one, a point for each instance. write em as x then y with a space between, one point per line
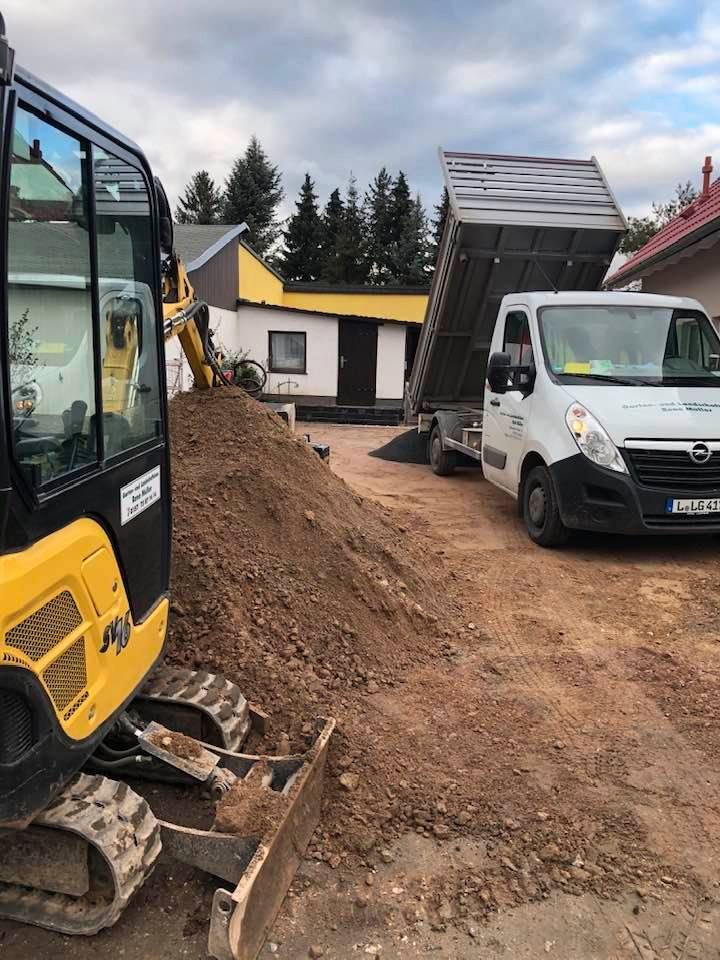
258 284
391 306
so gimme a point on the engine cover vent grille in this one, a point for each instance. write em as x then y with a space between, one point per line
41 631
66 677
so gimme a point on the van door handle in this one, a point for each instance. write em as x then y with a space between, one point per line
494 403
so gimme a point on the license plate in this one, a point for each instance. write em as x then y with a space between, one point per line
702 505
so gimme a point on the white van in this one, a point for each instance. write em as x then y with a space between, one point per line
601 412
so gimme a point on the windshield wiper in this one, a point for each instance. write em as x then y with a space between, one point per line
692 380
600 377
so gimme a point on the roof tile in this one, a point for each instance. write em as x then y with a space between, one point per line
701 212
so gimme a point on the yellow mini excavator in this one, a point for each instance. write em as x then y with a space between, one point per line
91 289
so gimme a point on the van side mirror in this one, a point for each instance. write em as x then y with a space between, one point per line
498 372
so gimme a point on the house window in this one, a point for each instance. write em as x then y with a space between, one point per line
288 352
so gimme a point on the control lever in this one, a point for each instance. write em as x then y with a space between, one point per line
78 409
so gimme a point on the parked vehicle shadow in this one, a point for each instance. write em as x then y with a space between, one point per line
407 447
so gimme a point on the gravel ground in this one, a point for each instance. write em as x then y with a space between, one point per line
557 755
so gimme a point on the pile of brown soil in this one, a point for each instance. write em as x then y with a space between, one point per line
250 807
319 602
308 596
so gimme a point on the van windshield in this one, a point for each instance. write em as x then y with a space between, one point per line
652 346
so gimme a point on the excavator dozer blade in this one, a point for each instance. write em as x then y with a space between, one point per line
263 870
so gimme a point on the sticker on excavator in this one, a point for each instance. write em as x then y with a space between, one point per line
137 496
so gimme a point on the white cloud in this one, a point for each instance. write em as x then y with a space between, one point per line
335 85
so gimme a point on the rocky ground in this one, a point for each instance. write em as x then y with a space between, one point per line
527 759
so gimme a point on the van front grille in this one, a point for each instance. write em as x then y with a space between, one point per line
674 470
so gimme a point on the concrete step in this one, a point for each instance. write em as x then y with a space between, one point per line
379 416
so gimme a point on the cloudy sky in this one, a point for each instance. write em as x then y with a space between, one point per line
331 86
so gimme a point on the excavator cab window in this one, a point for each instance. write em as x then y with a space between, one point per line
50 315
83 348
128 343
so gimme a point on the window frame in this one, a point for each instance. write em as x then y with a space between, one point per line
49 112
272 368
514 378
511 312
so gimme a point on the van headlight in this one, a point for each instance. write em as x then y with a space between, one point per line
592 439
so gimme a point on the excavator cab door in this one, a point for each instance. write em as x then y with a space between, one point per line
83 384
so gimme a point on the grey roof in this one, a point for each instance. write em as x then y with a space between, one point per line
63 250
532 191
197 243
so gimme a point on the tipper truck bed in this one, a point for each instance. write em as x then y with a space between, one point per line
515 224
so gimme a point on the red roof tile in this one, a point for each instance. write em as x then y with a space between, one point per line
701 212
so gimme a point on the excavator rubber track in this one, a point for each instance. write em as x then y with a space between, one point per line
118 826
222 714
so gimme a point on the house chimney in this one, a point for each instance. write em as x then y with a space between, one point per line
706 171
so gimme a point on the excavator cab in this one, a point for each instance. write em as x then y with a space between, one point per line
84 495
90 289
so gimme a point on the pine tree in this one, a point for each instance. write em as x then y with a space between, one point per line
379 203
201 201
411 251
301 257
252 194
352 260
438 225
332 221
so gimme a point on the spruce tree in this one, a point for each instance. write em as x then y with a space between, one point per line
301 257
411 251
438 225
351 248
401 205
332 221
379 206
201 201
252 194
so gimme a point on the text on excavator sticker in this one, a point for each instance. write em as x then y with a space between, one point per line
117 634
139 495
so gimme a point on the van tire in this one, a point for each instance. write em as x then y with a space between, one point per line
443 462
540 510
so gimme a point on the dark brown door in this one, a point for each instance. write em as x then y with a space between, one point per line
357 363
412 336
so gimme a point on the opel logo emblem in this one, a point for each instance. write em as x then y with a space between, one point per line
700 453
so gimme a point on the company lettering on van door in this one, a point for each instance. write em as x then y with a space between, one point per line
675 406
513 425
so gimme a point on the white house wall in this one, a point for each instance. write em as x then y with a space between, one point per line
247 331
251 334
390 374
223 323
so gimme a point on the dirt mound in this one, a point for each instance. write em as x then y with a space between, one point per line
317 601
310 597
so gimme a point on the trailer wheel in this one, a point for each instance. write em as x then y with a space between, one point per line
540 510
443 462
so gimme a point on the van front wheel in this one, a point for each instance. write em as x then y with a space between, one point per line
540 510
